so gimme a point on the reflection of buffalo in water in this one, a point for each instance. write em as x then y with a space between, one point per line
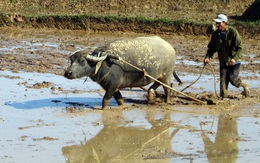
116 143
224 149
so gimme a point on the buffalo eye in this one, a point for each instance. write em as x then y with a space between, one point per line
82 61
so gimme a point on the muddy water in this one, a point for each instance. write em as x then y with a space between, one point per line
168 137
47 118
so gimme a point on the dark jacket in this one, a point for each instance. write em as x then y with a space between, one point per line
230 47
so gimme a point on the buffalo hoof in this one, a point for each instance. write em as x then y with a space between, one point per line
98 108
151 96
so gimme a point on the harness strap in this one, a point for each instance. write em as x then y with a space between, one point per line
98 66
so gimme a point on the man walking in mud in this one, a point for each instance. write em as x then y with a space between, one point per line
226 42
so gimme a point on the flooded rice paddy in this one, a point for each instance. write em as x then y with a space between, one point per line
47 118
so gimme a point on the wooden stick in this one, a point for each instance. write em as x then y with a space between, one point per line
149 76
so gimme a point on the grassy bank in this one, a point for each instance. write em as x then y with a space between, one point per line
171 9
112 23
156 17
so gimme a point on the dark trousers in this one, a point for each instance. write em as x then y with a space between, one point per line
229 74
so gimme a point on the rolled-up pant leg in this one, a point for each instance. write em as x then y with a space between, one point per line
234 75
224 80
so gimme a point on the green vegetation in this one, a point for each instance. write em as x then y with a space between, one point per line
247 23
116 18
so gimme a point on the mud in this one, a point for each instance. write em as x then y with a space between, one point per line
45 114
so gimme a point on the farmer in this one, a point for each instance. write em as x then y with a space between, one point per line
227 42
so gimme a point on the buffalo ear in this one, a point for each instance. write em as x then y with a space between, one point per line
75 55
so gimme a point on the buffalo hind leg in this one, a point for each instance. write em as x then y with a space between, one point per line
167 81
167 94
167 91
151 93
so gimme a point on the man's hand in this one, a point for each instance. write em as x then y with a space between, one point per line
232 62
206 61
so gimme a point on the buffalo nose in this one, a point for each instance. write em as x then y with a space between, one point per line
68 74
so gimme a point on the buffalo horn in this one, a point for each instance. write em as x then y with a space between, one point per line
96 59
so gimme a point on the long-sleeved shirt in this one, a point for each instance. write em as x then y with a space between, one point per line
228 45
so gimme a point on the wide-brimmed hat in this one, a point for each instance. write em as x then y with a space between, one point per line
221 18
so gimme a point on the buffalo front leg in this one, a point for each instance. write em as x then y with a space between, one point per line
105 103
109 94
107 97
119 98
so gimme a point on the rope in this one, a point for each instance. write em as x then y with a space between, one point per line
214 76
195 80
213 72
147 75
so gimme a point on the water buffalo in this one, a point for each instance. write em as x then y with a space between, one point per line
152 54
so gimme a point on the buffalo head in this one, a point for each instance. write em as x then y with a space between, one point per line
83 64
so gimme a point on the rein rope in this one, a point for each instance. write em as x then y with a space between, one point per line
97 68
214 76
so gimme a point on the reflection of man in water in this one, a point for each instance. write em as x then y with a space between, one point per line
224 149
